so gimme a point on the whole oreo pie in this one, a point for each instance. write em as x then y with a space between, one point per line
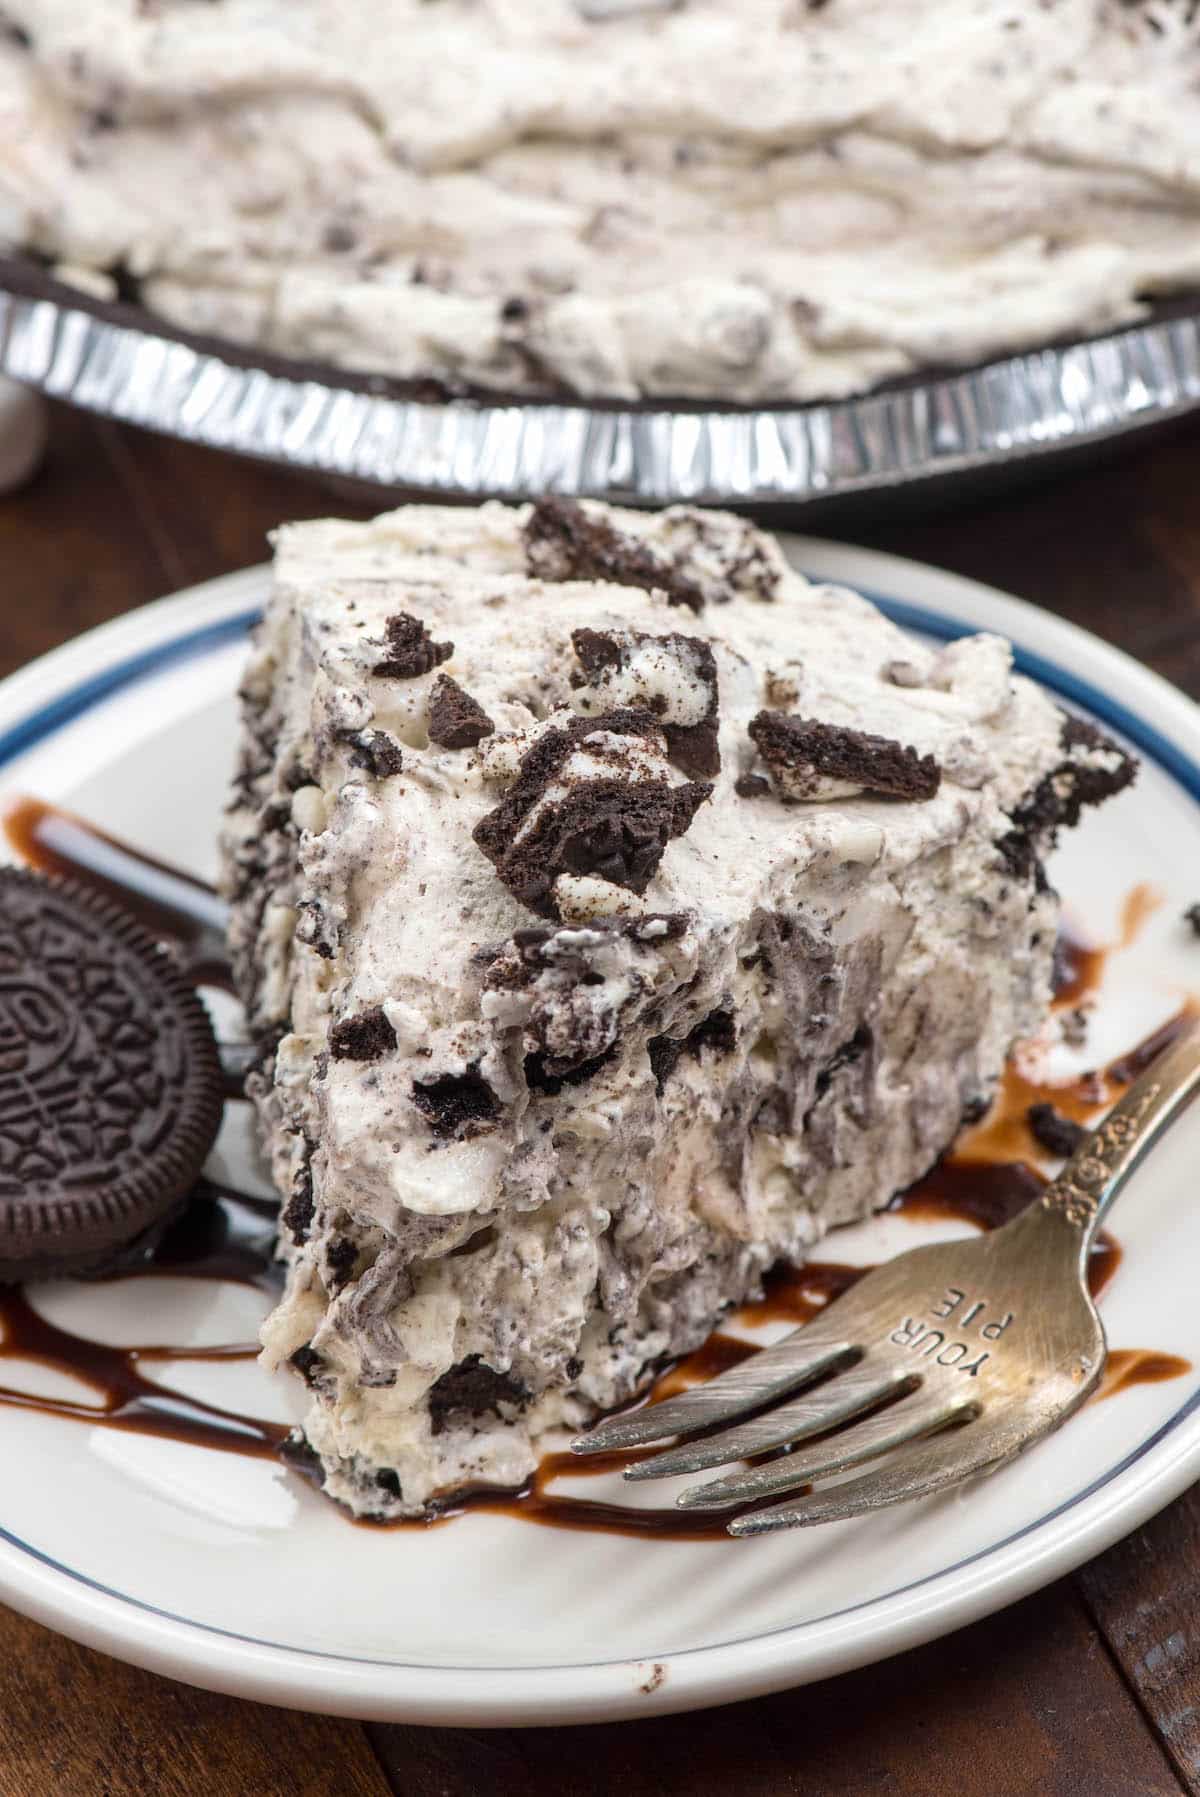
110 1084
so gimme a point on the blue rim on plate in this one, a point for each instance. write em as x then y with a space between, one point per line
64 709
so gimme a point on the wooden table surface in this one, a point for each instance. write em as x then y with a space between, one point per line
1090 1687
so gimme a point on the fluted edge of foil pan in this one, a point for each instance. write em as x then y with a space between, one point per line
1011 410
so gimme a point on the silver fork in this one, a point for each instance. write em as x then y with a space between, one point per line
948 1360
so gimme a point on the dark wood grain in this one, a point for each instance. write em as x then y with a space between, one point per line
74 1723
1144 1594
1027 1704
1116 550
1092 1687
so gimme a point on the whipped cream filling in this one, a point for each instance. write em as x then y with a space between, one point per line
751 203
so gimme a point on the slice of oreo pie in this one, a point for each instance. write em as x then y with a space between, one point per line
110 1083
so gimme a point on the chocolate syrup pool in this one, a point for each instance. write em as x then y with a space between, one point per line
226 1235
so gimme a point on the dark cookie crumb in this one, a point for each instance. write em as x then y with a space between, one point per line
410 649
565 542
365 1037
651 928
548 1074
1059 798
313 928
472 1388
616 829
299 1209
1057 1134
518 962
388 1479
341 1255
455 719
751 786
306 1361
859 1046
457 1105
1192 917
664 1053
1062 966
1073 1026
717 1031
693 748
878 764
975 1109
376 753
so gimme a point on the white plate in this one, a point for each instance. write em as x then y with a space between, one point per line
232 1574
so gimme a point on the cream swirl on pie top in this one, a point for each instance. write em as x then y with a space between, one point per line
625 198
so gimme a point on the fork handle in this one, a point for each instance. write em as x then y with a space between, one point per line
1085 1189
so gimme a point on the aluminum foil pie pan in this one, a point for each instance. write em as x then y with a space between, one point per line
118 361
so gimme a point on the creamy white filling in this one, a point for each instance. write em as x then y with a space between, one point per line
755 202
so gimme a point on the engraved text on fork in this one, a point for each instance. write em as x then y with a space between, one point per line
931 1343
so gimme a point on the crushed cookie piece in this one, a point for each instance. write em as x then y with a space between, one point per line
341 1256
457 1105
800 751
751 786
717 1031
1059 798
518 962
455 719
548 1074
661 673
472 1388
1057 1134
1192 917
664 1053
1073 1026
410 650
376 753
299 1210
306 1361
563 541
365 1037
609 820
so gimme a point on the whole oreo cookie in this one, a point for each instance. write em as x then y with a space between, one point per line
110 1083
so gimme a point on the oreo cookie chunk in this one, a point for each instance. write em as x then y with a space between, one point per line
1053 1131
594 797
455 719
564 540
674 677
110 1084
410 650
808 760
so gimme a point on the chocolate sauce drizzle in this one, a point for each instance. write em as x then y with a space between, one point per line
221 1235
168 902
227 1235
